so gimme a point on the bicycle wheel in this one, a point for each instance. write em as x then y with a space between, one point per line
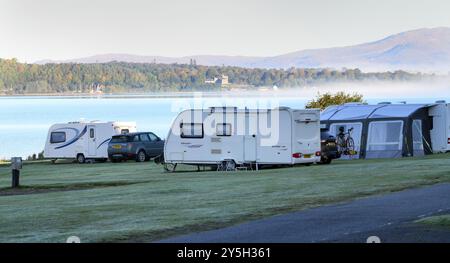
341 144
350 146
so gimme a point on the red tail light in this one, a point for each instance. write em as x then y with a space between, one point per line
318 154
297 155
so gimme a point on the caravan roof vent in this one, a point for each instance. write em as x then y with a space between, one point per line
385 103
441 101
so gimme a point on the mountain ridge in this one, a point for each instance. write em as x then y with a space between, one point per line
426 50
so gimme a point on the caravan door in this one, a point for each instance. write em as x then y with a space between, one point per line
92 144
250 148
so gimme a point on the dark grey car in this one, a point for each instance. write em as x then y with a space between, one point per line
329 149
140 146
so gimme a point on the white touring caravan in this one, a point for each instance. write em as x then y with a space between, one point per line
440 133
83 140
230 138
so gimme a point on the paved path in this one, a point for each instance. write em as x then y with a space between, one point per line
387 215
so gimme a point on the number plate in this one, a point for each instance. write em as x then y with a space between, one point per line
117 146
307 156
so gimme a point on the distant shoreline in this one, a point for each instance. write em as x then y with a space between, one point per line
93 95
116 95
190 94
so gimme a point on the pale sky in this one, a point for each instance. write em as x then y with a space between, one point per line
32 30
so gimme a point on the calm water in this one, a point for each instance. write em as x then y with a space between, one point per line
24 121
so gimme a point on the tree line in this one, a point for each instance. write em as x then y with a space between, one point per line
116 77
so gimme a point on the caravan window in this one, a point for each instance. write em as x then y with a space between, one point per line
57 137
385 136
192 130
91 133
124 131
223 129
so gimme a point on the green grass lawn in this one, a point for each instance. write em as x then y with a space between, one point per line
139 202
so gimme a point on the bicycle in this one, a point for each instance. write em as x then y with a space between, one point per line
345 142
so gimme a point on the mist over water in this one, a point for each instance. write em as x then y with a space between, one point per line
24 121
375 91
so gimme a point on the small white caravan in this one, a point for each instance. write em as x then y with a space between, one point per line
440 133
230 137
83 140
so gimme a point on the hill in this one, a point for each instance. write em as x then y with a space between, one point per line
425 50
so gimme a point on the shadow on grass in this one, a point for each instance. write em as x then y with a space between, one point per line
39 189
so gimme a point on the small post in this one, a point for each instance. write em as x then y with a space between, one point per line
15 178
16 165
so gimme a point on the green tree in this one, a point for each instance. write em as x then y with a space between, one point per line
327 99
22 78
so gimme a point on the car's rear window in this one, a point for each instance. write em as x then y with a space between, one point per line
120 139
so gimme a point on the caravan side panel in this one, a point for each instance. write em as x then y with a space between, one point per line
65 140
306 139
186 141
440 134
97 139
202 141
274 137
448 127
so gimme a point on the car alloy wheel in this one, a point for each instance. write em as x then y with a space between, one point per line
141 156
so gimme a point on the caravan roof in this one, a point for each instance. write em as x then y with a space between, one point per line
357 112
397 110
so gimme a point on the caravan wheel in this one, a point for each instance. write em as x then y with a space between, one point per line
170 167
230 165
80 158
221 166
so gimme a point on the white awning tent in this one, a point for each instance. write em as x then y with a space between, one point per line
387 130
